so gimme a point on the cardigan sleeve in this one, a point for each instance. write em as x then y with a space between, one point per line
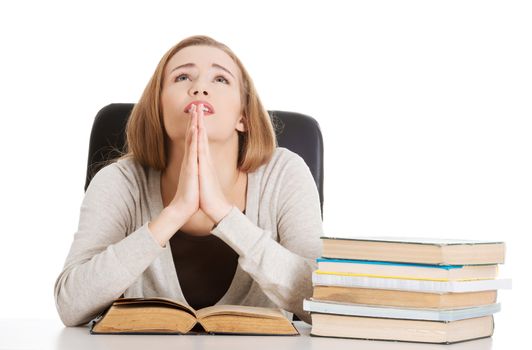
103 260
282 268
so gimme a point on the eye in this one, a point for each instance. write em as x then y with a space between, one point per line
223 79
178 78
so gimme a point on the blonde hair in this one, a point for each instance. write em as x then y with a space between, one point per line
146 140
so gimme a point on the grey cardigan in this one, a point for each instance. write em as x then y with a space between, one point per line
113 252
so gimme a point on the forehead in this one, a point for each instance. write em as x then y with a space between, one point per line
203 57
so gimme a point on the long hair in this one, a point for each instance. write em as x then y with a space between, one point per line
146 140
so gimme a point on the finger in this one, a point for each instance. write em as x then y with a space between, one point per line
192 152
201 131
204 141
188 132
198 110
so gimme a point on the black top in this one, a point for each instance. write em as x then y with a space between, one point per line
205 267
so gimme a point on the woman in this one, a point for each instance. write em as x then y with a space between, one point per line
203 208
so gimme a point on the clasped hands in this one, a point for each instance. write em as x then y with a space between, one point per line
198 186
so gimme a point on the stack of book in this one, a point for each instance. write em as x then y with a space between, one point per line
419 290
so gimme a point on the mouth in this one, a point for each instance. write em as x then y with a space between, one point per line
207 108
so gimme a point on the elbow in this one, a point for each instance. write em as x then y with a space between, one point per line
69 314
71 321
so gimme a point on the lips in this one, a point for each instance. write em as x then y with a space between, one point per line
207 108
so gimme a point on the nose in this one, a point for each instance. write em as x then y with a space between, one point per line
204 92
198 88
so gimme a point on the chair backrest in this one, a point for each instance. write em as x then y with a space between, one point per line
297 132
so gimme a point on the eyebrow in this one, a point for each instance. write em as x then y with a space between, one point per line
191 65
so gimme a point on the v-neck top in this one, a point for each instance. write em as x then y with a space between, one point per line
113 253
205 267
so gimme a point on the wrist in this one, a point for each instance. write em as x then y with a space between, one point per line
220 213
164 226
175 214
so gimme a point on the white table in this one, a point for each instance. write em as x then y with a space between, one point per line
52 334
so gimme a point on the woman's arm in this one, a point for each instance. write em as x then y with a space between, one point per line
283 269
103 262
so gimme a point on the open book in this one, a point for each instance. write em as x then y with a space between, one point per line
167 316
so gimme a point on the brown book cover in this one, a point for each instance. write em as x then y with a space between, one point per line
167 316
397 298
342 326
415 250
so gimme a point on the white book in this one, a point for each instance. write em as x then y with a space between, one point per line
326 307
324 279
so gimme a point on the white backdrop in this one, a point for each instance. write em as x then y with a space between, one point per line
425 109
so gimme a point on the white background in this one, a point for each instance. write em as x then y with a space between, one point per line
425 109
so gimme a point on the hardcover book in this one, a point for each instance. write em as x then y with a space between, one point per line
415 250
398 298
342 326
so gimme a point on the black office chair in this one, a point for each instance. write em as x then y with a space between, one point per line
297 132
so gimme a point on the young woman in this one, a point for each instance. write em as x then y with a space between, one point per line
203 208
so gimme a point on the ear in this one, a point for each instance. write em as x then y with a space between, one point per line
241 124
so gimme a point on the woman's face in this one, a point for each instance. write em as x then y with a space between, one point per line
202 73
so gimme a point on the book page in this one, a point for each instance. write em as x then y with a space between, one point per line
156 301
415 240
240 310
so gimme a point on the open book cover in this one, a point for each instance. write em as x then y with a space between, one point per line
167 316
